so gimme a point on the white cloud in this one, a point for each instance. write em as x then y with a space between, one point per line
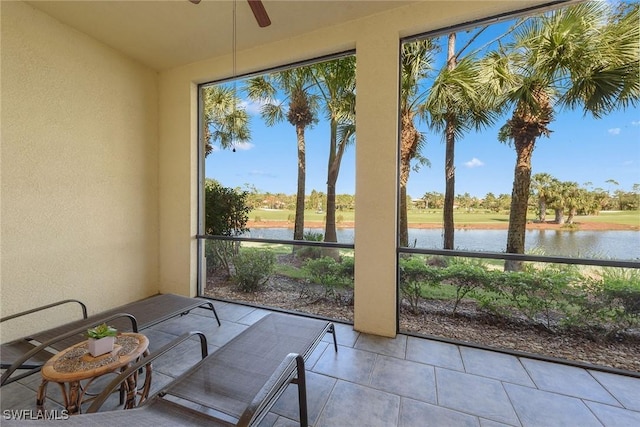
254 107
243 146
614 131
263 174
474 163
635 123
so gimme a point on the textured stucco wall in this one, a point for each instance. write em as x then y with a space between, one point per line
98 158
376 40
79 168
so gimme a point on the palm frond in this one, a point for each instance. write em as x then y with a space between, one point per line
272 113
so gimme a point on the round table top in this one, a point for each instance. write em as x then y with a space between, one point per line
76 363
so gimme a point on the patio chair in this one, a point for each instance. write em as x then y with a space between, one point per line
234 386
29 353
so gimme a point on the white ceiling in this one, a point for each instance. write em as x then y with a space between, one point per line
170 33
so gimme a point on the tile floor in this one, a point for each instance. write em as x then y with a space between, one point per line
406 381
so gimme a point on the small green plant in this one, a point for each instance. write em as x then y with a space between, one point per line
466 276
219 255
543 294
414 276
312 236
102 331
253 267
331 274
306 252
612 303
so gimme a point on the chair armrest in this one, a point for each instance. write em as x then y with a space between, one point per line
274 387
16 365
115 383
44 307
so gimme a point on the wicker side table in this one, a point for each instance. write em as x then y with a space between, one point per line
75 365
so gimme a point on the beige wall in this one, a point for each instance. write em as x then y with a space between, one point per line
376 40
98 158
79 168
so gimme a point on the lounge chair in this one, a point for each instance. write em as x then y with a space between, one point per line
234 386
31 352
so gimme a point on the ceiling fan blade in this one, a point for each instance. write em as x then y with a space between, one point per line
259 12
195 1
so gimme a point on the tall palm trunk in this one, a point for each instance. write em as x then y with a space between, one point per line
300 115
409 139
449 168
542 209
335 160
450 186
330 234
525 126
519 200
298 229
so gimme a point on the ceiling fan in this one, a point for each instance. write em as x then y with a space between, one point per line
258 10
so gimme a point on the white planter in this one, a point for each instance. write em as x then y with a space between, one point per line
101 346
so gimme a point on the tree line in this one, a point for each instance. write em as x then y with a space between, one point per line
583 56
565 198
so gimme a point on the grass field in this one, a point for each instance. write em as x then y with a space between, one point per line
434 216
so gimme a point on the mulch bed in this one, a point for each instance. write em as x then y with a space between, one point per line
435 319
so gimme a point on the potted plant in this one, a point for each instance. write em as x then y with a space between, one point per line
101 339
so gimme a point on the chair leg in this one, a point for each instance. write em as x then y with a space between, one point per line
215 313
301 381
212 308
332 329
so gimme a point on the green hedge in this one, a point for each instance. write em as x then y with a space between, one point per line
554 296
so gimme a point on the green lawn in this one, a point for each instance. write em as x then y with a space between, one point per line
434 216
617 217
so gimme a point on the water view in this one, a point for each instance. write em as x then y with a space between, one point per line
622 245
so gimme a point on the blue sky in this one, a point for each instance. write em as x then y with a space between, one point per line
580 149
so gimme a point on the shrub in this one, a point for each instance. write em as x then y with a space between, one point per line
622 286
219 254
331 274
306 252
612 302
312 236
542 294
466 276
226 210
253 267
414 275
346 269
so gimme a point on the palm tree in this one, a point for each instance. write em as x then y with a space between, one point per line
417 59
558 196
577 200
457 103
335 81
302 106
224 120
542 183
580 56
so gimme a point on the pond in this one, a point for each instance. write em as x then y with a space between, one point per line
620 245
